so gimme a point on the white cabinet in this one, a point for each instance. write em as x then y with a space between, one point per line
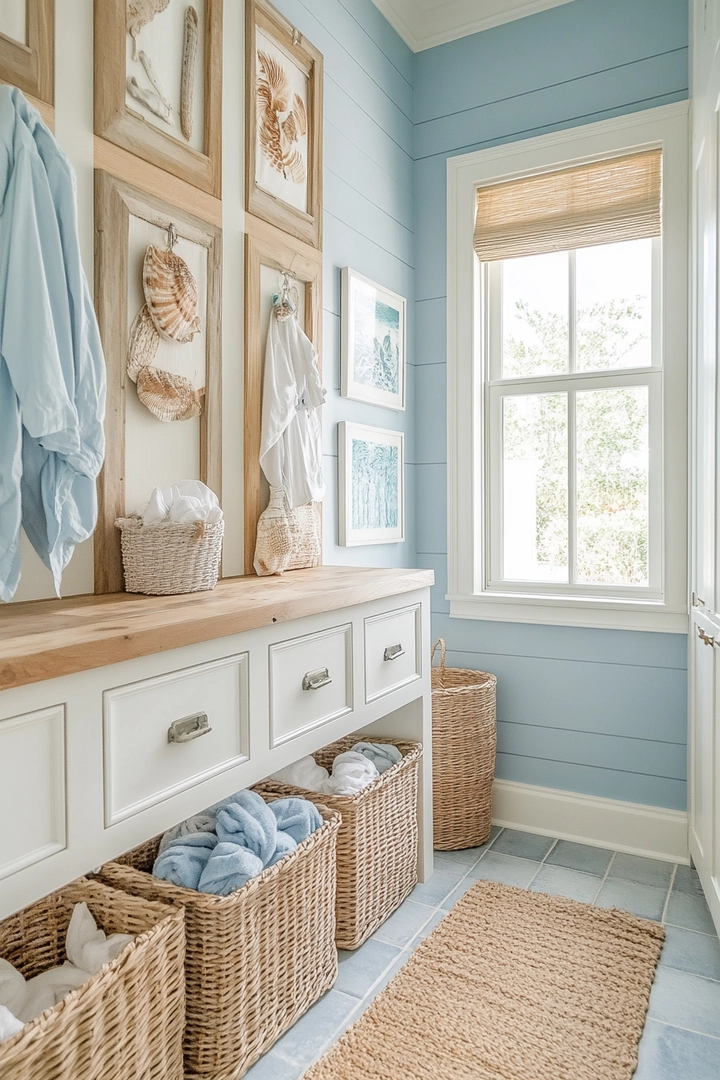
99 759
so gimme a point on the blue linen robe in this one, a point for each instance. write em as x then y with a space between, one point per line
52 370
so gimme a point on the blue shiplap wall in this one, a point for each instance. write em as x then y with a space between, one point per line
594 711
368 217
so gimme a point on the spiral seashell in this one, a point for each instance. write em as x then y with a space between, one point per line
143 344
171 295
167 396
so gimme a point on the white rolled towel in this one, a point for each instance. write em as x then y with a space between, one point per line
89 948
305 773
183 503
203 822
9 1023
351 773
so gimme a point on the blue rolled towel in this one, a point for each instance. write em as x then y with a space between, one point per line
382 755
228 869
247 820
296 817
285 844
184 859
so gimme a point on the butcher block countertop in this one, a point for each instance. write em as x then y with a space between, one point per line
48 638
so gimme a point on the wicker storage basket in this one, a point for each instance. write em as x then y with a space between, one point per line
167 558
464 741
126 1023
377 843
256 960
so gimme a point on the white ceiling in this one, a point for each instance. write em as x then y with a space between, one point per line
424 23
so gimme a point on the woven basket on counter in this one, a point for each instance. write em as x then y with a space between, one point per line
377 843
167 558
257 959
464 742
126 1021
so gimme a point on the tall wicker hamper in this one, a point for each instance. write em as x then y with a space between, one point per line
377 843
464 741
256 960
126 1023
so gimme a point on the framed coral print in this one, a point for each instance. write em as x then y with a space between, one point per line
373 342
27 33
284 120
371 474
158 84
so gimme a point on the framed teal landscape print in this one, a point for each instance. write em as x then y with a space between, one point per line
373 342
371 471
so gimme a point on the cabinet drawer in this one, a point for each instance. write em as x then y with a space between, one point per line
32 787
150 754
310 682
392 651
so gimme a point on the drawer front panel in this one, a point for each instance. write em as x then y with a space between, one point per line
392 651
32 788
203 710
310 682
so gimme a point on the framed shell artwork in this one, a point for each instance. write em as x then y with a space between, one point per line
157 295
371 480
373 342
27 36
284 122
158 84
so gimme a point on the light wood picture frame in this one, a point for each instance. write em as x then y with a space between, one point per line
283 153
374 342
30 64
117 206
371 483
266 246
192 104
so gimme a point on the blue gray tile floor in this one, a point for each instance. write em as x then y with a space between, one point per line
681 1040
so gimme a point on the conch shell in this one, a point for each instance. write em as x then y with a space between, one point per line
171 295
143 345
168 396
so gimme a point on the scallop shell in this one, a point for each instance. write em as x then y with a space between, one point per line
171 295
168 396
143 344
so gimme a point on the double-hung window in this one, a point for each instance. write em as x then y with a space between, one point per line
567 369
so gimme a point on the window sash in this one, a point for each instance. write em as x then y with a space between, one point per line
493 530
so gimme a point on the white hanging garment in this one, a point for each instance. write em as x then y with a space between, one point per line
291 438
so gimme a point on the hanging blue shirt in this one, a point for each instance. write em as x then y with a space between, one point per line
52 370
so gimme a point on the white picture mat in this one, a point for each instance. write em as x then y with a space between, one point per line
159 454
266 176
359 296
348 535
13 20
162 40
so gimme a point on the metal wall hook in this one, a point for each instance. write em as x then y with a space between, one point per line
172 236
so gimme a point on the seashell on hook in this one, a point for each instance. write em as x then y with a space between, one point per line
167 396
139 13
187 78
143 344
171 295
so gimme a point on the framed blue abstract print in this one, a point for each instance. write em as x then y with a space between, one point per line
373 342
371 474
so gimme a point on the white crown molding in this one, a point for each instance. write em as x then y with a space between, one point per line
442 22
651 831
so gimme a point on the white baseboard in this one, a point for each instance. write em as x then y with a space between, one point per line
640 830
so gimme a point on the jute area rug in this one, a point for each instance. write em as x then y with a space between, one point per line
512 985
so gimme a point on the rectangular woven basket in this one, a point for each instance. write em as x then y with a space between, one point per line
257 959
126 1022
166 558
377 843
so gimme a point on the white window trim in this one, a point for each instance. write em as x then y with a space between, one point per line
665 127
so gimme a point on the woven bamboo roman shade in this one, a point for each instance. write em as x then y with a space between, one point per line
597 203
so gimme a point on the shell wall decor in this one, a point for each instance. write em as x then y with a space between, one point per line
171 295
167 396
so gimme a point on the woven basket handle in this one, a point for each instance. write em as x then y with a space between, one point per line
441 642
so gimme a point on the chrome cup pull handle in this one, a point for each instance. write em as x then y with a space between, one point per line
188 728
393 651
313 680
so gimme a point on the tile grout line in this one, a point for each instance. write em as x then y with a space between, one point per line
678 1027
542 862
669 893
605 877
